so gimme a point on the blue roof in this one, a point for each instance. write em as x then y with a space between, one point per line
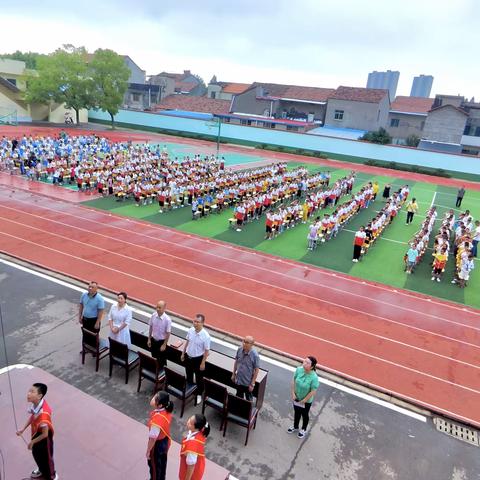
338 132
184 113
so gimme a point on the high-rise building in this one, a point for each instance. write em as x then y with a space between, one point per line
421 86
387 80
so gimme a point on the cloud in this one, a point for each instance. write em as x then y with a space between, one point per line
304 41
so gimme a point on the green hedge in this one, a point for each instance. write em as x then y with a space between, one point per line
437 172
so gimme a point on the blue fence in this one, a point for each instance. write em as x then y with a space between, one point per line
338 146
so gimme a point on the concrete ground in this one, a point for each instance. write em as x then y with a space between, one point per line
349 438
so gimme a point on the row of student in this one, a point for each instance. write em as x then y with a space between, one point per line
254 206
441 246
464 250
365 238
192 186
288 216
419 243
253 198
228 188
328 227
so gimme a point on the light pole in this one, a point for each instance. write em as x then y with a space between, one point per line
219 121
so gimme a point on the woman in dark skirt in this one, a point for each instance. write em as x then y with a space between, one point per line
386 191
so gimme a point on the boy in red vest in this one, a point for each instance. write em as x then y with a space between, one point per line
40 421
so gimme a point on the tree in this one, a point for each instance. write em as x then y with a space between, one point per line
62 77
110 81
381 136
412 141
30 58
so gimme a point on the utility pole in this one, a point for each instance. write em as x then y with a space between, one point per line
219 121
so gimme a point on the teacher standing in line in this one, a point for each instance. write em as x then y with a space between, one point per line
119 320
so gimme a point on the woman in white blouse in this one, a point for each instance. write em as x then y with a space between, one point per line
119 319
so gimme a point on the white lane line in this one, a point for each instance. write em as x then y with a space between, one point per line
262 320
196 250
322 272
253 297
433 199
392 321
221 342
17 366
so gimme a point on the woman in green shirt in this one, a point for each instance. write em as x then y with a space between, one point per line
304 386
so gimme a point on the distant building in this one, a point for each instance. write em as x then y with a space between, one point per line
137 75
225 90
452 124
190 103
290 102
358 108
184 83
384 80
421 86
13 107
407 117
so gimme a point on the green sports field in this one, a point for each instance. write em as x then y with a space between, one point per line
384 262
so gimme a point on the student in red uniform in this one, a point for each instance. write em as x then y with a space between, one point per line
192 454
159 435
41 443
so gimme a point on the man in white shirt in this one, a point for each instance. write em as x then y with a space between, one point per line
195 353
160 326
476 238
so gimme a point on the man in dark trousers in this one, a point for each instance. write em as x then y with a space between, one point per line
460 195
195 353
245 369
40 421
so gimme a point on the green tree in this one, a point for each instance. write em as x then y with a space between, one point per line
412 141
30 58
62 77
381 136
110 81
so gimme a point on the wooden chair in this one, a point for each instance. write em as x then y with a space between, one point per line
176 384
121 355
215 396
150 370
242 412
92 343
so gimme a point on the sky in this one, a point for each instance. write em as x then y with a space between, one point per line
320 43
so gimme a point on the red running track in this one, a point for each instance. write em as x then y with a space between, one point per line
412 346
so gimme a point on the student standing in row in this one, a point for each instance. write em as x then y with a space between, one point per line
159 439
192 453
40 422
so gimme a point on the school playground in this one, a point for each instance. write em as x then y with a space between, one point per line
365 322
384 262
